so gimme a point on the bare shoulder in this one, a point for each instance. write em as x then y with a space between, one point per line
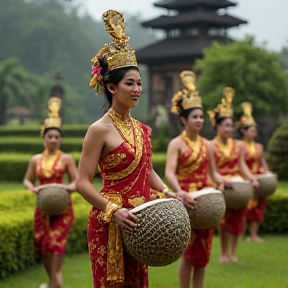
67 157
176 143
35 158
100 127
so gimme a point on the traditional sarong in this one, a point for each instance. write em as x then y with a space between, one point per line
192 174
226 159
256 207
125 172
51 232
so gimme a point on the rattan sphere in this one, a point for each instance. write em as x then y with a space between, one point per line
163 234
268 184
210 209
238 196
53 199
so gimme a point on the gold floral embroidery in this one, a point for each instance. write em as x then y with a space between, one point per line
136 201
138 155
113 160
102 250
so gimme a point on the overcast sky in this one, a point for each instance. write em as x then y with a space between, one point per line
267 19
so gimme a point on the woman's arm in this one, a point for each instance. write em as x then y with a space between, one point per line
244 170
30 175
72 171
213 168
170 174
263 164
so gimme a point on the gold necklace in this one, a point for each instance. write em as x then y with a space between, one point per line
125 126
192 144
250 147
225 148
48 162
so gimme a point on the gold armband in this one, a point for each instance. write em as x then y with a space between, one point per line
110 209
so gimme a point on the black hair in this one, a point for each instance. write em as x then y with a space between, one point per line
185 112
112 76
52 128
219 119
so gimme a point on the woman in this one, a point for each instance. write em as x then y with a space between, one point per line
254 158
187 170
121 147
229 160
49 167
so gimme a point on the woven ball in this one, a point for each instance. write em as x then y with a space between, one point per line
210 209
53 199
268 184
238 196
163 234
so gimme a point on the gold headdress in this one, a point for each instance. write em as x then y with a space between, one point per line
247 120
117 54
190 97
54 121
225 108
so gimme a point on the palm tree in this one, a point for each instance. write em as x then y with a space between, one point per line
12 81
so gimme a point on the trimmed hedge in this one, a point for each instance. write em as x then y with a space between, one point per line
33 145
13 166
34 131
17 249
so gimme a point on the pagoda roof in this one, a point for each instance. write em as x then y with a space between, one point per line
185 5
175 49
189 19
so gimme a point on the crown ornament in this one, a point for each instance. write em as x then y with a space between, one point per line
54 121
224 109
247 120
190 97
117 54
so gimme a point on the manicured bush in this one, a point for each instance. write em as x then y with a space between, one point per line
34 131
17 249
34 145
277 152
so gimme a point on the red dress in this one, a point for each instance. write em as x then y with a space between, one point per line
256 207
226 160
125 172
51 231
192 175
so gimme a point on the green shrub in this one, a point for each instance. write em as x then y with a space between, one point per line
34 131
277 152
17 249
34 145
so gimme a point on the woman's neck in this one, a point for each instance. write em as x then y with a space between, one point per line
191 135
51 151
248 140
222 140
123 111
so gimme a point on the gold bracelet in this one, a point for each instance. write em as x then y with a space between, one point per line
109 210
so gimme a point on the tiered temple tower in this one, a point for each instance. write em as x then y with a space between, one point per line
190 26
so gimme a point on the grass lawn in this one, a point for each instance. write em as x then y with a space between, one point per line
263 265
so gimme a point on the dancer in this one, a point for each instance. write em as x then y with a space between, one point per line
229 160
51 232
122 148
254 158
187 170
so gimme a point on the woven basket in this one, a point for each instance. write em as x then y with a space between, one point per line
238 196
210 209
268 184
163 234
53 199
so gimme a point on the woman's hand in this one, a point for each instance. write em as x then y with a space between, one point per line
35 190
126 219
188 202
255 183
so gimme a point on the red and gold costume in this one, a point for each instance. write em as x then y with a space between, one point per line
192 174
125 172
51 231
256 207
226 159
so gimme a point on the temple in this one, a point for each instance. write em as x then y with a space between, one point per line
190 26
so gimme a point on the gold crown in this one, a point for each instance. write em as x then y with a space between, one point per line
225 108
247 120
54 121
118 53
190 97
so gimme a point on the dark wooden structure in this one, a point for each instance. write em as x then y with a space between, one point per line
190 26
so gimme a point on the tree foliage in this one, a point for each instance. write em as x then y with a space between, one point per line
251 70
50 35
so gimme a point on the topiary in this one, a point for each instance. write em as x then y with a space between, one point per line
277 152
